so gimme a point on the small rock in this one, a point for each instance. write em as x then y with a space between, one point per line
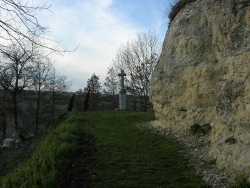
8 143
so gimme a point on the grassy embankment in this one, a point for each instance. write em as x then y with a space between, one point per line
48 160
126 155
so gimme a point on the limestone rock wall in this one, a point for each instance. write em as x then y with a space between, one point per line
203 77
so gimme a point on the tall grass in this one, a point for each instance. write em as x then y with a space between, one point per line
48 160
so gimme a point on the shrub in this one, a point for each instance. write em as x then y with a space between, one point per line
238 179
203 129
244 184
230 140
195 128
177 7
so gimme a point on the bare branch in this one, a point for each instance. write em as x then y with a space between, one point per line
19 19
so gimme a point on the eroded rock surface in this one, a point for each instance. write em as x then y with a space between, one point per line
203 77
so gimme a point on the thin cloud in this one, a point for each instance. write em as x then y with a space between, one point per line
97 27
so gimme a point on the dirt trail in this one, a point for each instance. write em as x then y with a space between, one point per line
80 169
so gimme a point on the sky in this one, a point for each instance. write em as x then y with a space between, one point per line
98 28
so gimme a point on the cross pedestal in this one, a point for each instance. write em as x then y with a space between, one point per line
122 94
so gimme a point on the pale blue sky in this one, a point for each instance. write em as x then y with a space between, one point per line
99 27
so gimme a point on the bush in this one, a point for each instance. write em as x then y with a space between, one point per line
203 129
244 184
231 140
177 7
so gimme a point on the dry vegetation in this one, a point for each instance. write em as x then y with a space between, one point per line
177 7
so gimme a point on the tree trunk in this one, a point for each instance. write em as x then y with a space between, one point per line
4 124
37 112
71 103
15 113
113 98
53 104
86 102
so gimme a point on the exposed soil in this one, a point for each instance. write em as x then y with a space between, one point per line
12 157
80 169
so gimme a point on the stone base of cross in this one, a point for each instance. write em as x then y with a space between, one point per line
123 100
123 93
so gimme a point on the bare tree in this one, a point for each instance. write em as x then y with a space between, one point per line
3 110
111 84
18 23
15 74
57 85
138 58
41 75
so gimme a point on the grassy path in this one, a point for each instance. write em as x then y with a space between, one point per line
103 149
130 157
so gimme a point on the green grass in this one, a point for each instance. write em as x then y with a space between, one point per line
48 160
132 157
127 156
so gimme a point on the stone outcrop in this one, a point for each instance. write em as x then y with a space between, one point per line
203 77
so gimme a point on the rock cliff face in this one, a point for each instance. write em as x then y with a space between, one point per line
203 77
